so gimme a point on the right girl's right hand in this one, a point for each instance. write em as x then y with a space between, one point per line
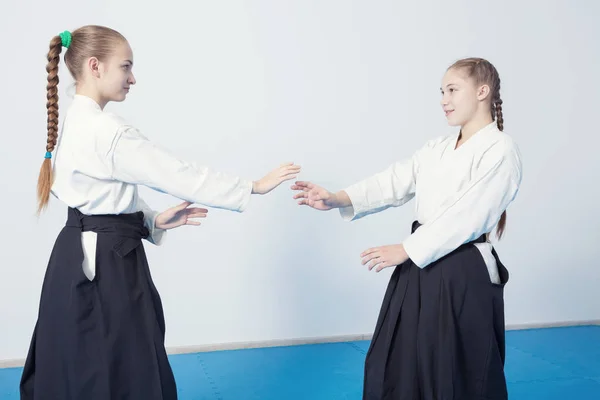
314 196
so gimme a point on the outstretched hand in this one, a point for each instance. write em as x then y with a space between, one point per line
313 196
276 177
180 215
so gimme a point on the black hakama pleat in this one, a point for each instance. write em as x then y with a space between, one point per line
440 332
104 338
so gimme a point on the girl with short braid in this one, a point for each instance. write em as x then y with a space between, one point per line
440 331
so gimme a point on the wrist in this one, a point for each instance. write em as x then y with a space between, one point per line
403 251
334 200
340 200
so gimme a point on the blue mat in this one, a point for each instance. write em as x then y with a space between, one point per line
548 364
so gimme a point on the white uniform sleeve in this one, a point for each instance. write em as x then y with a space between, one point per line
391 187
473 211
134 159
156 235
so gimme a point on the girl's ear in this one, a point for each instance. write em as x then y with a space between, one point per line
483 92
94 66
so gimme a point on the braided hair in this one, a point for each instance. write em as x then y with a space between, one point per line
85 42
483 72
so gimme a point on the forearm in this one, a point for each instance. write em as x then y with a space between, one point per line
156 235
136 160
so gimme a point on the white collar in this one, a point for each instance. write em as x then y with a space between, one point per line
491 127
86 101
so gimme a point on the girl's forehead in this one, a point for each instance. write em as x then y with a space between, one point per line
454 77
122 50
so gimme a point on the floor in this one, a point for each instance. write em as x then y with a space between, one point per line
548 364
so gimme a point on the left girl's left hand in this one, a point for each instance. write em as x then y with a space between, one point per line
179 215
384 256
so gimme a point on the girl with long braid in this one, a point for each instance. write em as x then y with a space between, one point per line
100 330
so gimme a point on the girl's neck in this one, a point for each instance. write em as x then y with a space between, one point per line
473 126
84 90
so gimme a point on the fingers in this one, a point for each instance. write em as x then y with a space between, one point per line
376 257
288 168
197 211
303 184
370 257
317 192
287 172
373 257
183 205
290 172
301 195
382 266
377 261
307 194
287 178
296 187
304 189
306 202
196 215
288 175
369 251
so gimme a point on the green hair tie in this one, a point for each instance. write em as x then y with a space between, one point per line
65 37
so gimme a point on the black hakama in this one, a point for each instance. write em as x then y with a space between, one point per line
100 339
440 332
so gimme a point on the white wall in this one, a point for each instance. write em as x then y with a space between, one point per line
343 88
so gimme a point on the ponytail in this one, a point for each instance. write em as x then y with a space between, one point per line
45 178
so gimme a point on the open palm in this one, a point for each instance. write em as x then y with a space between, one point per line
180 215
284 172
313 196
